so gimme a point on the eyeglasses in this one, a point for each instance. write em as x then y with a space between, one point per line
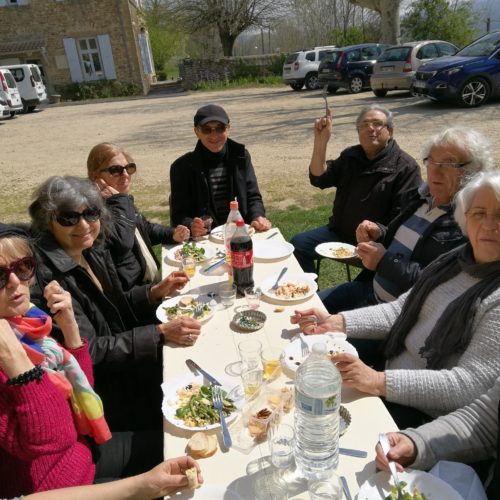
428 162
23 268
480 215
375 124
68 219
206 130
117 170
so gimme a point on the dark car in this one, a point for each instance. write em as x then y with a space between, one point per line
349 67
469 77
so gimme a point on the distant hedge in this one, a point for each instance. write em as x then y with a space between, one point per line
97 90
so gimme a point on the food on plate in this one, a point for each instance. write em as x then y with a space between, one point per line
279 309
342 252
332 351
291 290
192 477
186 308
201 445
190 249
258 423
195 405
336 350
281 398
248 322
416 495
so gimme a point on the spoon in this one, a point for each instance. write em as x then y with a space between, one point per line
386 447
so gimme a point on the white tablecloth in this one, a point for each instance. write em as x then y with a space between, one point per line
216 349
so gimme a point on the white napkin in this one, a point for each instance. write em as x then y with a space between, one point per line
461 478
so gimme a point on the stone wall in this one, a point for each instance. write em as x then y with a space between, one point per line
49 21
193 71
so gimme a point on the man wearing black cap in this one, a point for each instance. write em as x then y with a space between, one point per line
205 180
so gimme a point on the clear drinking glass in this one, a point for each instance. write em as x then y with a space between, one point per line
282 443
271 360
227 293
330 488
189 265
252 296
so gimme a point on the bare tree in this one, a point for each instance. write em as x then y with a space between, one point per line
389 17
231 17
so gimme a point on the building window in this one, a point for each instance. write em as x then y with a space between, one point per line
90 59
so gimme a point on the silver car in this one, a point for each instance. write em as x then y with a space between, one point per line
397 65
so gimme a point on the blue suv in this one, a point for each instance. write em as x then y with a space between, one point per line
469 77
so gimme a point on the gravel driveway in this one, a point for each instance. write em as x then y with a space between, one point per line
274 123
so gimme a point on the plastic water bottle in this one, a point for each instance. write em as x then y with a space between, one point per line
229 229
318 386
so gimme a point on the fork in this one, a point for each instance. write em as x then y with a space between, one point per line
219 406
198 310
304 347
276 284
324 95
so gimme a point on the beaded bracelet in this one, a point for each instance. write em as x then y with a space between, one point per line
23 378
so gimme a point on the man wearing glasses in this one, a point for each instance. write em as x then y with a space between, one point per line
369 177
205 180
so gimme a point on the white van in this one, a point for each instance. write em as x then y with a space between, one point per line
4 110
9 92
30 85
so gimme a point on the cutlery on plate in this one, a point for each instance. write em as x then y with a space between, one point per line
324 95
214 265
195 367
345 487
353 453
219 406
304 347
198 310
386 447
282 273
271 235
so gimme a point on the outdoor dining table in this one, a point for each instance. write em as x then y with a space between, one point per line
244 471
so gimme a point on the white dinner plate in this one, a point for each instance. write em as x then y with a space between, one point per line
334 342
210 252
296 279
162 315
328 250
217 234
378 486
271 249
207 492
171 398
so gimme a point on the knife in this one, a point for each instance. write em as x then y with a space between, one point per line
272 235
195 367
353 453
216 264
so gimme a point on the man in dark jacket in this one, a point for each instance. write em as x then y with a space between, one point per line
205 180
369 178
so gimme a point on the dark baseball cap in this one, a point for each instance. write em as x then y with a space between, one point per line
210 113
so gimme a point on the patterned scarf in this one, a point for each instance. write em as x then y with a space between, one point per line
63 369
453 330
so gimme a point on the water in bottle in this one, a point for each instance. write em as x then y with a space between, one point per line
229 229
317 400
242 258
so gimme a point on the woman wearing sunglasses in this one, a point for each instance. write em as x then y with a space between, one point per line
124 341
205 180
50 416
131 235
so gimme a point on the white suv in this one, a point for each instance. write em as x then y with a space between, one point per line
301 67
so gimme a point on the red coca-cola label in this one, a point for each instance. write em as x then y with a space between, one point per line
242 260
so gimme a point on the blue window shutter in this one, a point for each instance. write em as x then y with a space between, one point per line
107 57
73 59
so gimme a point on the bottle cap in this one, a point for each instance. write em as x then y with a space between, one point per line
319 348
233 205
240 222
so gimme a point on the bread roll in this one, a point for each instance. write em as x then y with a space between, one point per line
201 445
192 477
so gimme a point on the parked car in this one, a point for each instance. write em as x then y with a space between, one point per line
301 67
470 77
29 82
396 66
349 67
4 110
9 91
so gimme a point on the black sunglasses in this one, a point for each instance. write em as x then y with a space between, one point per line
206 130
23 268
73 218
117 170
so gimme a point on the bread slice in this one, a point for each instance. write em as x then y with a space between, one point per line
192 477
201 445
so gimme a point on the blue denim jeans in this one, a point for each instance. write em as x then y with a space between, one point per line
306 242
348 296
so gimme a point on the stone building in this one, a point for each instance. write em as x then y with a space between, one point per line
77 40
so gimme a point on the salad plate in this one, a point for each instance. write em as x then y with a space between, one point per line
201 252
291 288
217 233
336 250
181 306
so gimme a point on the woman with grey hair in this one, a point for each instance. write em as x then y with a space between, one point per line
395 256
440 340
124 339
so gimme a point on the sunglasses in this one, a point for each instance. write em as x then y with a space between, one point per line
68 219
23 268
117 170
206 130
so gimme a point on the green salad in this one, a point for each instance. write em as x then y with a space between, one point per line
190 249
416 495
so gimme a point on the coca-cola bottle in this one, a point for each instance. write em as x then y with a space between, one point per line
242 258
229 229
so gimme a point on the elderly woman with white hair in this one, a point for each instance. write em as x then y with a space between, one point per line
441 339
394 256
